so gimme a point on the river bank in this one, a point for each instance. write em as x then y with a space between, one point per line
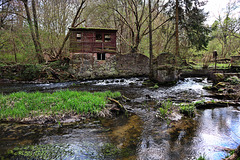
58 107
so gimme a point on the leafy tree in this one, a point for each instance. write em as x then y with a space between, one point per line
226 29
191 22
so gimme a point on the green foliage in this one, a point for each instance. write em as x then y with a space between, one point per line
231 153
191 22
165 109
44 151
31 71
155 86
207 87
202 157
22 104
201 102
233 80
187 109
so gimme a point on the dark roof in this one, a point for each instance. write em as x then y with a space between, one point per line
92 28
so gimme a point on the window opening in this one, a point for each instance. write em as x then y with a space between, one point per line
79 37
107 38
98 37
101 56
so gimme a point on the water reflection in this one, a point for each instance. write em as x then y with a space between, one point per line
218 128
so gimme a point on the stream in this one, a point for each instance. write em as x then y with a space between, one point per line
136 135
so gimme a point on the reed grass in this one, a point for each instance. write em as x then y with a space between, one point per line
22 104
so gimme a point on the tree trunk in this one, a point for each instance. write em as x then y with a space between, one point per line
40 56
37 49
150 41
177 32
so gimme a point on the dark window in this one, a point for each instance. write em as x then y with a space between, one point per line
107 38
98 37
79 37
101 56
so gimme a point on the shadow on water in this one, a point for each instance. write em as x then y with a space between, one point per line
138 135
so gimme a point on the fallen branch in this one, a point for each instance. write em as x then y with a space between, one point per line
235 155
126 98
118 104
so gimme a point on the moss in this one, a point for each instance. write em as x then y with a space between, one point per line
233 80
155 86
31 72
219 77
166 67
45 151
220 90
219 85
207 87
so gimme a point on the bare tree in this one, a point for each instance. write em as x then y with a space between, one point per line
150 39
134 15
176 29
35 35
73 25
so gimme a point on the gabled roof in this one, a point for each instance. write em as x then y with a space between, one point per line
93 28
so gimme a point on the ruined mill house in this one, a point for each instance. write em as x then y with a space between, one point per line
94 55
98 42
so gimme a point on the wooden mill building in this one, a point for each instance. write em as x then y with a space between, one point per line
100 42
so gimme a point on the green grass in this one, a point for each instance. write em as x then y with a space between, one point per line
212 65
22 104
202 157
187 109
165 109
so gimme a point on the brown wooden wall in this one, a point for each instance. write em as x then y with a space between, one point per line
89 41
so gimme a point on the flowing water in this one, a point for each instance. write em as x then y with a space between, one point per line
136 135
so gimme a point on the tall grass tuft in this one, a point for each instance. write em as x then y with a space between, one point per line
22 104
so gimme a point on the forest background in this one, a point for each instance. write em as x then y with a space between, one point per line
34 31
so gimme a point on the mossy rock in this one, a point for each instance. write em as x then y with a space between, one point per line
219 77
220 90
233 80
220 85
207 87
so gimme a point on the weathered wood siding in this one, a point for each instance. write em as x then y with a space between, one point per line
88 42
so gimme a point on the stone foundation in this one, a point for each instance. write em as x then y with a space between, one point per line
86 66
165 70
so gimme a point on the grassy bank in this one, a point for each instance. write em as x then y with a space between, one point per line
22 104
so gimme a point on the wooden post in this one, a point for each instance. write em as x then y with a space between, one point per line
215 57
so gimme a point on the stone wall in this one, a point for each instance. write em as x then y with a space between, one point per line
164 69
21 72
132 64
86 66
